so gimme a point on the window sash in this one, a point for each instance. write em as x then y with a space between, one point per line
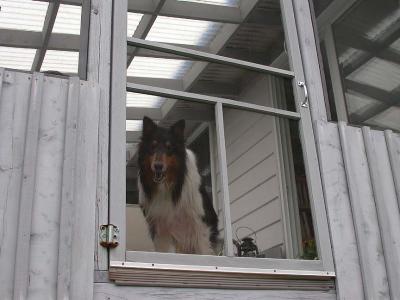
118 135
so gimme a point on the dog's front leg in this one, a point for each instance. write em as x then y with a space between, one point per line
164 243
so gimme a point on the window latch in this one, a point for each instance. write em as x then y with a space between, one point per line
109 236
305 101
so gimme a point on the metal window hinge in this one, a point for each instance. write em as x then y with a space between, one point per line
109 236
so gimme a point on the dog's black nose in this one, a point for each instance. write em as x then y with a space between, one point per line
158 167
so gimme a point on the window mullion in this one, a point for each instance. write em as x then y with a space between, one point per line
117 171
219 120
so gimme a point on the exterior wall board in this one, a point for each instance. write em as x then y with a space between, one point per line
105 291
48 185
362 205
347 265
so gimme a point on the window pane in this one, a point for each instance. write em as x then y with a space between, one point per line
155 68
269 201
153 212
362 64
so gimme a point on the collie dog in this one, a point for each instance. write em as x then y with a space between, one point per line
177 208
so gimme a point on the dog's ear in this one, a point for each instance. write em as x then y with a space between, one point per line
148 126
178 129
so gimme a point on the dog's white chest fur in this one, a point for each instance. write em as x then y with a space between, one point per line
178 228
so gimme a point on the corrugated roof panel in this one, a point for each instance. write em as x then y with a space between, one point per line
22 14
158 67
378 73
183 31
395 46
133 21
16 58
142 100
349 55
387 119
134 125
68 19
62 61
358 104
379 29
215 2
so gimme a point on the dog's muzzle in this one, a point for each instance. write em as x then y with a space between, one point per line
159 176
159 173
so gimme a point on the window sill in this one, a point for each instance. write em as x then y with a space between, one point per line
195 276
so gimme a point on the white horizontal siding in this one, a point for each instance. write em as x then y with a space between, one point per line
252 172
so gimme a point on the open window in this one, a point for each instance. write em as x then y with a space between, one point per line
248 123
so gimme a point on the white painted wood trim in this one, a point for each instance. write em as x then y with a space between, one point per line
107 291
287 181
364 213
349 284
21 276
336 78
308 48
386 205
224 261
221 269
99 68
308 140
226 209
394 150
83 233
67 197
117 175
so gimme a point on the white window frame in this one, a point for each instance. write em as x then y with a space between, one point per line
120 259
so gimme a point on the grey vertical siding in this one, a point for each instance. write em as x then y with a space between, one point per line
48 160
359 174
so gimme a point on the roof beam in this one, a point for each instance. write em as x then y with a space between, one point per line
359 118
229 90
174 84
51 15
67 2
137 113
191 10
143 28
336 9
388 99
84 39
373 50
33 39
182 9
266 17
71 42
348 38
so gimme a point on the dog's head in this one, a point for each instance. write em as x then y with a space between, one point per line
162 150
